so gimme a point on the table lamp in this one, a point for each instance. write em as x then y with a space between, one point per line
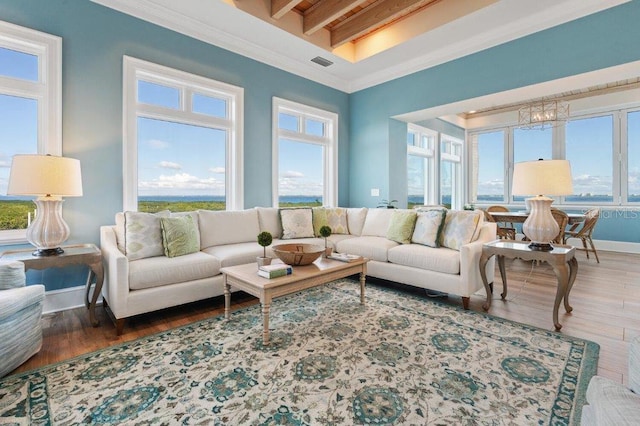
541 178
49 178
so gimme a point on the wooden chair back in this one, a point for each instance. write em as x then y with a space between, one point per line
497 208
562 219
591 218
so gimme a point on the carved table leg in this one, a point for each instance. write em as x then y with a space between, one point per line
503 275
363 278
573 271
97 271
265 322
562 273
227 298
483 274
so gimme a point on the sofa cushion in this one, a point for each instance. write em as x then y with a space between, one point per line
612 403
228 227
401 226
237 254
371 247
269 220
143 236
460 228
337 218
355 219
179 236
377 222
440 259
159 271
429 226
12 274
296 223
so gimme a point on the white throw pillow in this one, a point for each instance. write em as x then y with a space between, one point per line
377 222
12 274
355 219
460 227
143 235
228 227
429 226
296 223
269 220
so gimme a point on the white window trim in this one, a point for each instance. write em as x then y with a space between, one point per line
430 184
330 142
47 91
187 83
457 193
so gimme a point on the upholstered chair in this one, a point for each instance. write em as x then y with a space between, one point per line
20 314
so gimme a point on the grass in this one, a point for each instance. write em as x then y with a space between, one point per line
14 214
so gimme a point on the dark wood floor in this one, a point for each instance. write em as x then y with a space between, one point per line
605 298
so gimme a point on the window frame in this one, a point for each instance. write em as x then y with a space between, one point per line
188 84
329 142
47 91
427 154
457 190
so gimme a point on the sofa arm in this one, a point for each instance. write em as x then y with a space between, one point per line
470 260
14 300
116 274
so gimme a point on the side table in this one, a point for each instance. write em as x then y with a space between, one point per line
562 259
80 254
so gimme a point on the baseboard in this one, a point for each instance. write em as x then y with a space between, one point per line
64 299
73 297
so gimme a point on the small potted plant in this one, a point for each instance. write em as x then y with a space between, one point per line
264 239
325 232
386 204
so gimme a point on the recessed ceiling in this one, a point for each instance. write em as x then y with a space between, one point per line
395 41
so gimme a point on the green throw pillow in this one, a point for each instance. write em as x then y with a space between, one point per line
179 236
401 226
319 219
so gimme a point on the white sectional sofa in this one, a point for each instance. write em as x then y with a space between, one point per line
140 279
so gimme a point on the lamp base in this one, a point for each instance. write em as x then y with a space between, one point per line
48 252
540 246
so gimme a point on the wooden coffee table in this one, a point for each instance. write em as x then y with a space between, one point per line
322 271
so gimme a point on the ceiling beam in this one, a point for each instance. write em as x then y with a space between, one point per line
378 14
326 11
280 7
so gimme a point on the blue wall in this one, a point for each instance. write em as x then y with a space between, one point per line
597 41
94 40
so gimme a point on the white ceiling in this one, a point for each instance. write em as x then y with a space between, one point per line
220 23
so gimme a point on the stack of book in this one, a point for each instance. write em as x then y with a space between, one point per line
274 271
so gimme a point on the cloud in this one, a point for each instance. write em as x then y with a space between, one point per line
181 181
5 164
292 174
169 165
218 170
158 144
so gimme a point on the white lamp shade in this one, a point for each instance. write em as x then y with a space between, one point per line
44 175
548 177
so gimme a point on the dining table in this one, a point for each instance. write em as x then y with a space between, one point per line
520 216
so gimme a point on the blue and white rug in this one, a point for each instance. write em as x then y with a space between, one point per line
401 359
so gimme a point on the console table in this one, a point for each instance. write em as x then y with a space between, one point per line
562 259
80 254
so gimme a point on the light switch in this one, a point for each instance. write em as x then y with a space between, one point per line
375 192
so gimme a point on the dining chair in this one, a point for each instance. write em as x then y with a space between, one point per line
504 233
585 231
499 208
563 219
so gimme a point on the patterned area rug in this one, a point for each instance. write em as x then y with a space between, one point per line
401 359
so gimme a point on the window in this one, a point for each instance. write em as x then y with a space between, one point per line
603 149
633 157
421 143
589 149
450 171
183 140
488 167
30 112
305 147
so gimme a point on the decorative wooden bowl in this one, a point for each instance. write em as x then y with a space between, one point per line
298 254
